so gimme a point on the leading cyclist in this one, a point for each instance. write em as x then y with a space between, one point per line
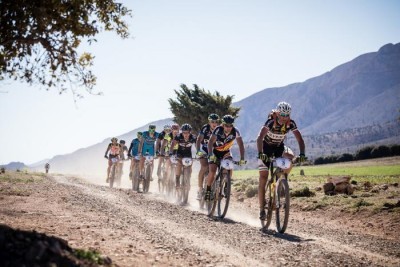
270 142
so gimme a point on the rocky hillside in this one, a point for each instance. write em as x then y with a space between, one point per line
354 105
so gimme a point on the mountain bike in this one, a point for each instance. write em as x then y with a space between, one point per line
277 194
148 168
163 176
170 182
221 188
184 188
202 201
135 174
113 171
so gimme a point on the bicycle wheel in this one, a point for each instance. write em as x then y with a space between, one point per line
112 177
282 205
146 182
269 205
211 205
224 194
201 200
135 178
186 185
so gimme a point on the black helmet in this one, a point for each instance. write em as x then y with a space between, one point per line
228 119
122 142
213 117
186 127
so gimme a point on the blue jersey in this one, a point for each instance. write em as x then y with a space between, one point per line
134 148
149 143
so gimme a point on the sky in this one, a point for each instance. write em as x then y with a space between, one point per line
230 46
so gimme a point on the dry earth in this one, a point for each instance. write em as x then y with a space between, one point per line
135 229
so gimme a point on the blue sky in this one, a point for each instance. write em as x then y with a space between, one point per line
234 47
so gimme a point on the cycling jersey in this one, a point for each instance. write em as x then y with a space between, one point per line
148 143
277 132
114 150
224 142
185 146
206 132
134 147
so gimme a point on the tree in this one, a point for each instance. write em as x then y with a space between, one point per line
39 40
194 105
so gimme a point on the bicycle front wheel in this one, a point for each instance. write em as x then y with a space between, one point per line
269 205
113 173
282 205
224 195
146 182
212 204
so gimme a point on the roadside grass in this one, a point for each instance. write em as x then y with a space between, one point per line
307 193
21 177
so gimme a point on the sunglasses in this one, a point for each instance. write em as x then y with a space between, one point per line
284 115
228 125
185 132
213 121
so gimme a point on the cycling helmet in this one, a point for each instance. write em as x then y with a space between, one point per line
284 108
186 127
228 119
122 142
167 127
114 139
139 134
213 117
152 126
175 127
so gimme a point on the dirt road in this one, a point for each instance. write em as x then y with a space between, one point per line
135 229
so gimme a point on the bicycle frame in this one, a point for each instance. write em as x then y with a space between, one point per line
276 185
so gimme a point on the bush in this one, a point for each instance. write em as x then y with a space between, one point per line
304 192
251 191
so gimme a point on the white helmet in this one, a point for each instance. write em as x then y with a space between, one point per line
167 127
284 107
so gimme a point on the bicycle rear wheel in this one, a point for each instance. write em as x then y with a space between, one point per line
282 205
224 194
269 205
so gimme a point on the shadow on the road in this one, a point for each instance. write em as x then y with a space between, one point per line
224 220
284 236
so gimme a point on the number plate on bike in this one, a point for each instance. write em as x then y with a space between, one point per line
149 158
187 162
283 163
114 160
227 164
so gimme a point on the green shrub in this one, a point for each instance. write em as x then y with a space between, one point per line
304 192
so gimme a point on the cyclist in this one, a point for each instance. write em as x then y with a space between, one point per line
146 147
114 148
270 142
166 146
160 138
47 167
133 151
121 162
184 140
219 147
202 150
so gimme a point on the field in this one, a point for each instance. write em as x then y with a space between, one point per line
376 184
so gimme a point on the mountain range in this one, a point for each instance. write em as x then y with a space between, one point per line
353 105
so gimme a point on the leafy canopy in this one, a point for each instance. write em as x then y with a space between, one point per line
194 105
39 40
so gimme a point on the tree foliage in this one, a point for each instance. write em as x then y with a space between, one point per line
39 40
194 105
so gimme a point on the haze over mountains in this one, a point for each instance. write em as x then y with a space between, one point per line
355 104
